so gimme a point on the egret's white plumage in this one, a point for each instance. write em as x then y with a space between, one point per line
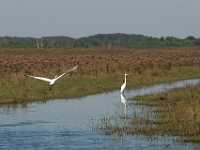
52 81
124 101
123 98
124 84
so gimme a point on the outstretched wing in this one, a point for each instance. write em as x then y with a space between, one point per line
40 78
60 76
68 71
72 69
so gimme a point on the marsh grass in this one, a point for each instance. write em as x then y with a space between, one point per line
177 113
17 88
100 70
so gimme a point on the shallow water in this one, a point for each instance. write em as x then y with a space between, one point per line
73 124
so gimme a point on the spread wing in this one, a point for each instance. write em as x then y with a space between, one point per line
68 71
49 80
60 76
72 69
40 78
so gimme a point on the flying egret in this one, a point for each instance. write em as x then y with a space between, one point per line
53 81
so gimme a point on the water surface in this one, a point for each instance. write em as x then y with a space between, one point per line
73 124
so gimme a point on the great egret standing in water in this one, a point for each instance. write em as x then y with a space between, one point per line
53 81
123 99
124 84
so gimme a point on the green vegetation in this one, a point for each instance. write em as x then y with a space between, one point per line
100 70
107 41
17 88
177 113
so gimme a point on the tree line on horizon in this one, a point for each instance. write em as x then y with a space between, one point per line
108 41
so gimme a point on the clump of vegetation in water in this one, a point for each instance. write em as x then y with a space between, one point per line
177 113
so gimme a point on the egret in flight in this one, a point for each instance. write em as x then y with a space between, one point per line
53 81
123 99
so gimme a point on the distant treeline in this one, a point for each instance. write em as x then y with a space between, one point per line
99 40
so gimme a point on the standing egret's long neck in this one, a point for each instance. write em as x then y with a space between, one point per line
125 79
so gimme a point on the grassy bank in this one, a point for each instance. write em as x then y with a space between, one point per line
177 113
100 70
16 88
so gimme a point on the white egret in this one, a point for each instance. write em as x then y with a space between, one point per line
53 81
123 99
124 84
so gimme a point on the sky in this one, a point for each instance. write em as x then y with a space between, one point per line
78 18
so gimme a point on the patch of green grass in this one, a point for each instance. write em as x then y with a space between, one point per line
16 88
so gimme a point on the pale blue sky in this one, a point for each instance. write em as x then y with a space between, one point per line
78 18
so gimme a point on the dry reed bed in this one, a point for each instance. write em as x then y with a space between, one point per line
95 61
